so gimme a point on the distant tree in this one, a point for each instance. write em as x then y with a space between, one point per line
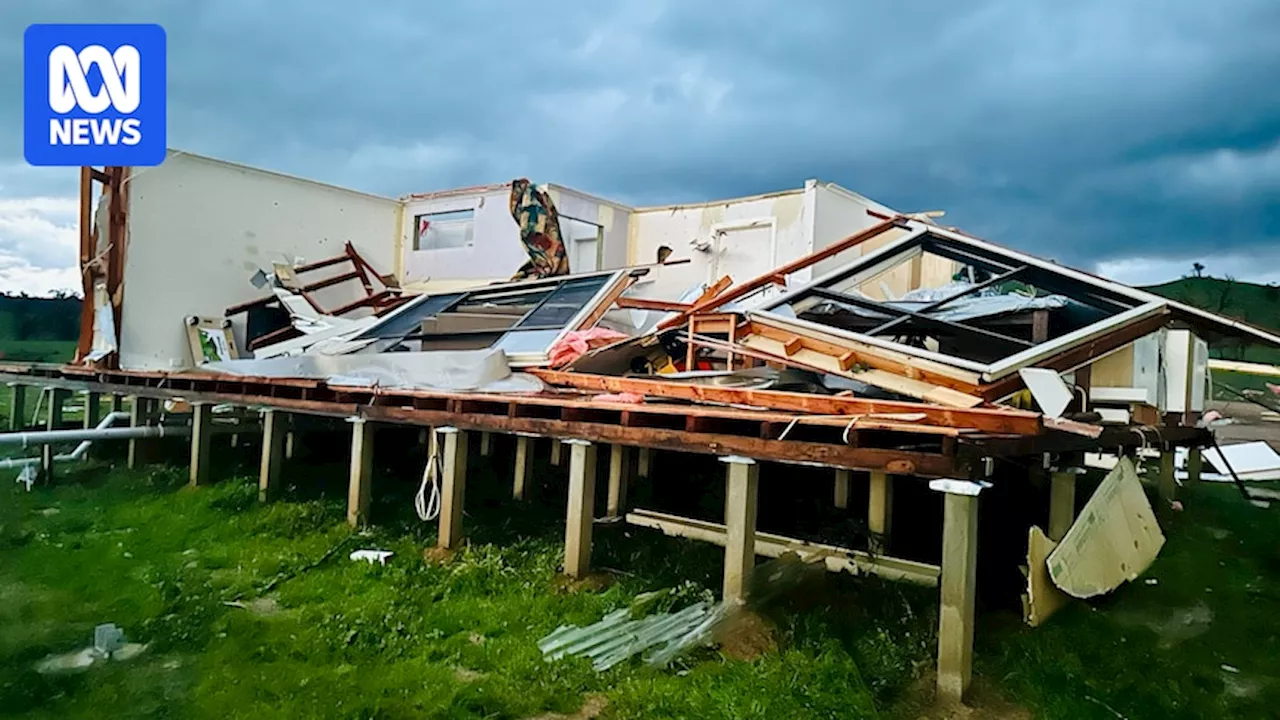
1197 269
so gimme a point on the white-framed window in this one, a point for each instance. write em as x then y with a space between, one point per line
444 230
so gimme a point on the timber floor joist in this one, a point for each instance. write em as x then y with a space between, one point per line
707 430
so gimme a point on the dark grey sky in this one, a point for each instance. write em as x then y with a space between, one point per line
1129 137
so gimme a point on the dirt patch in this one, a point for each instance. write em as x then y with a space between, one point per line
591 709
593 582
465 675
746 635
983 702
439 556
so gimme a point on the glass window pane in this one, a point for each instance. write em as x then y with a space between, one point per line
527 341
565 302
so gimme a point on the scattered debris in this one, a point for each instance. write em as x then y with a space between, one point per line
1115 539
108 644
1042 598
658 636
258 606
372 556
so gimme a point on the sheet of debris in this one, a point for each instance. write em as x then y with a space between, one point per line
638 630
1113 541
459 370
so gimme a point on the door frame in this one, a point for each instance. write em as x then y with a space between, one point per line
718 229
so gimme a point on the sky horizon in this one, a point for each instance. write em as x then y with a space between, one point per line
1129 141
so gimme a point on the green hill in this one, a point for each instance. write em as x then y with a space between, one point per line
38 329
1257 305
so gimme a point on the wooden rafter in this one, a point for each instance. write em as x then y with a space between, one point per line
740 291
984 419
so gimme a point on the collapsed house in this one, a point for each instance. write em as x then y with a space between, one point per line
895 353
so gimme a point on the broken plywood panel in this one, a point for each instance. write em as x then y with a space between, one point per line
1114 540
1042 598
879 378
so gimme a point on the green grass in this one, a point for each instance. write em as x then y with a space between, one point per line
1157 650
50 351
459 640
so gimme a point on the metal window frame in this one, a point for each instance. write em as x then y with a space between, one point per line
893 254
612 278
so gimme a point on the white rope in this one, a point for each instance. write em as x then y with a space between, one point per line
427 502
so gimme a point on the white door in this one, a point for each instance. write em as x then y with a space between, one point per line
742 253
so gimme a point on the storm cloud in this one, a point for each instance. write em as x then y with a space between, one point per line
1131 138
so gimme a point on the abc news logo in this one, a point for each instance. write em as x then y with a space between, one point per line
94 94
69 89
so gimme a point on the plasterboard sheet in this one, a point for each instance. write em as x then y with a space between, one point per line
1042 598
463 370
1245 458
1046 386
1115 539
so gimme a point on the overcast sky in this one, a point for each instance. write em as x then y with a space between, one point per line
1129 137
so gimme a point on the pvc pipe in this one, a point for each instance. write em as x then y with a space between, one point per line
103 431
48 437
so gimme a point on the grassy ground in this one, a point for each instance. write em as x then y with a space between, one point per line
415 639
37 350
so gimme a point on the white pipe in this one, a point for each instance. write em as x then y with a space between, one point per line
101 432
78 453
103 424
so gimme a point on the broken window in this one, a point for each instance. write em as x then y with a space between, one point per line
444 230
522 318
953 298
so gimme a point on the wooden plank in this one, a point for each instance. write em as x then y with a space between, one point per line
201 442
619 469
17 407
53 421
580 514
623 284
788 451
905 462
656 305
1166 483
1244 367
959 586
880 510
992 420
486 444
523 463
1195 465
272 460
851 353
742 290
644 462
453 445
84 342
1062 504
843 478
880 378
139 414
92 409
836 559
742 487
